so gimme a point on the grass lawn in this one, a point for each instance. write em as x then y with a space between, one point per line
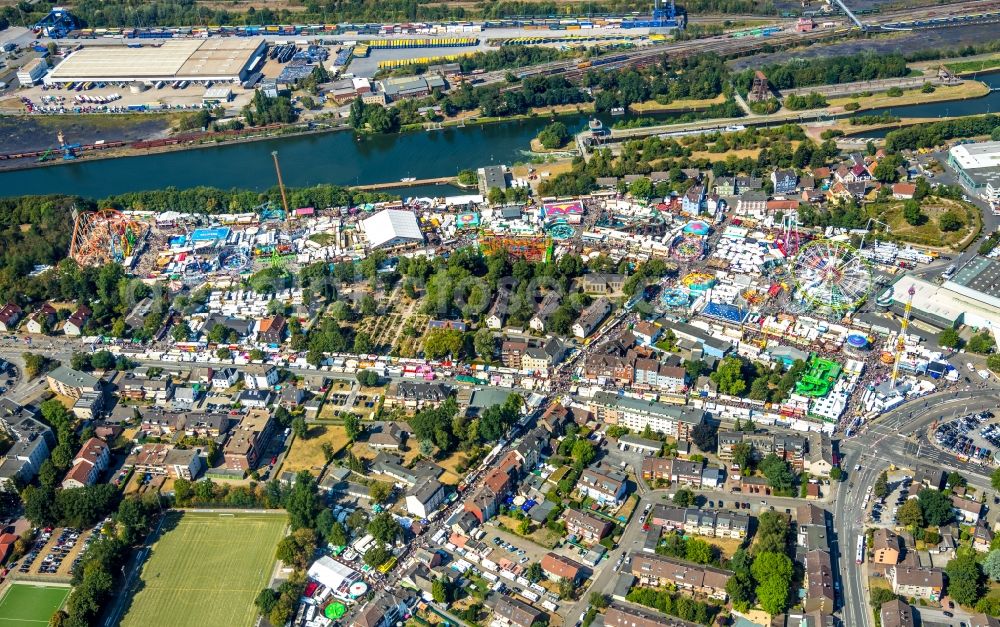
928 233
307 454
29 604
651 106
450 464
968 89
206 569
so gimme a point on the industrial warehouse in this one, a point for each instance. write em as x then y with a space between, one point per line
217 60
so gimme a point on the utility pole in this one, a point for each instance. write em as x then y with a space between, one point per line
281 185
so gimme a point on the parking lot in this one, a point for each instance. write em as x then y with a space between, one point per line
971 437
57 551
884 511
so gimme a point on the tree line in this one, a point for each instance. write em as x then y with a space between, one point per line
828 71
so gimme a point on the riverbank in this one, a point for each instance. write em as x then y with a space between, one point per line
966 90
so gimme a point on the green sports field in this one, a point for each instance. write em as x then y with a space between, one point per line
206 569
29 605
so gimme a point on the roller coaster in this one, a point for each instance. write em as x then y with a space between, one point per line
105 236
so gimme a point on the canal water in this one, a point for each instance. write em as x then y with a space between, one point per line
345 159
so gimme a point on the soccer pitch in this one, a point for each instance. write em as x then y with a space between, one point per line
206 569
29 605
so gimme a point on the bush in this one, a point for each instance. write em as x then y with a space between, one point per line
554 136
894 92
950 221
852 106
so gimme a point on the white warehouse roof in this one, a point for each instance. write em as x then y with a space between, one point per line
334 575
391 228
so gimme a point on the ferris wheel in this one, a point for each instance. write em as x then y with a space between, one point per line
832 276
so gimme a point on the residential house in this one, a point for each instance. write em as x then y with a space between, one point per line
886 547
896 613
509 611
77 321
260 376
65 381
653 374
165 460
752 204
10 315
982 537
224 378
585 526
257 399
498 312
969 510
272 330
646 333
784 181
425 497
711 523
33 440
139 388
386 609
235 327
511 352
818 582
482 504
754 485
790 448
923 583
592 317
661 570
636 414
548 306
903 191
693 200
603 283
558 567
541 358
603 484
184 398
748 183
90 461
621 615
88 406
42 319
392 466
247 442
415 395
387 437
725 186
819 460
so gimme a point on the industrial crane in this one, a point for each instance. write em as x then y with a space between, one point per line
900 341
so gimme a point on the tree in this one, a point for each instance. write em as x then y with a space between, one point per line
641 188
742 455
266 600
910 514
384 528
566 588
956 480
440 590
367 378
705 436
534 572
377 555
328 452
103 360
936 507
598 600
881 487
80 361
337 535
299 427
484 343
303 504
965 580
352 425
982 343
683 498
699 551
950 221
298 548
740 588
496 196
554 136
772 594
778 474
912 213
443 342
949 338
991 565
995 479
34 364
729 376
363 344
380 491
583 452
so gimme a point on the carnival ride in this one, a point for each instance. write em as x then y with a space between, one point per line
104 236
674 297
527 247
560 230
688 248
819 379
698 282
831 276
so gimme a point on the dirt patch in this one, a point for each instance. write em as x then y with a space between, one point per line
450 464
23 133
307 453
928 233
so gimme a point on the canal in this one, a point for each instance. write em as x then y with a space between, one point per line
344 159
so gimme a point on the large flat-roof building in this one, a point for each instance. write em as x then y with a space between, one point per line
971 297
392 227
978 167
224 59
